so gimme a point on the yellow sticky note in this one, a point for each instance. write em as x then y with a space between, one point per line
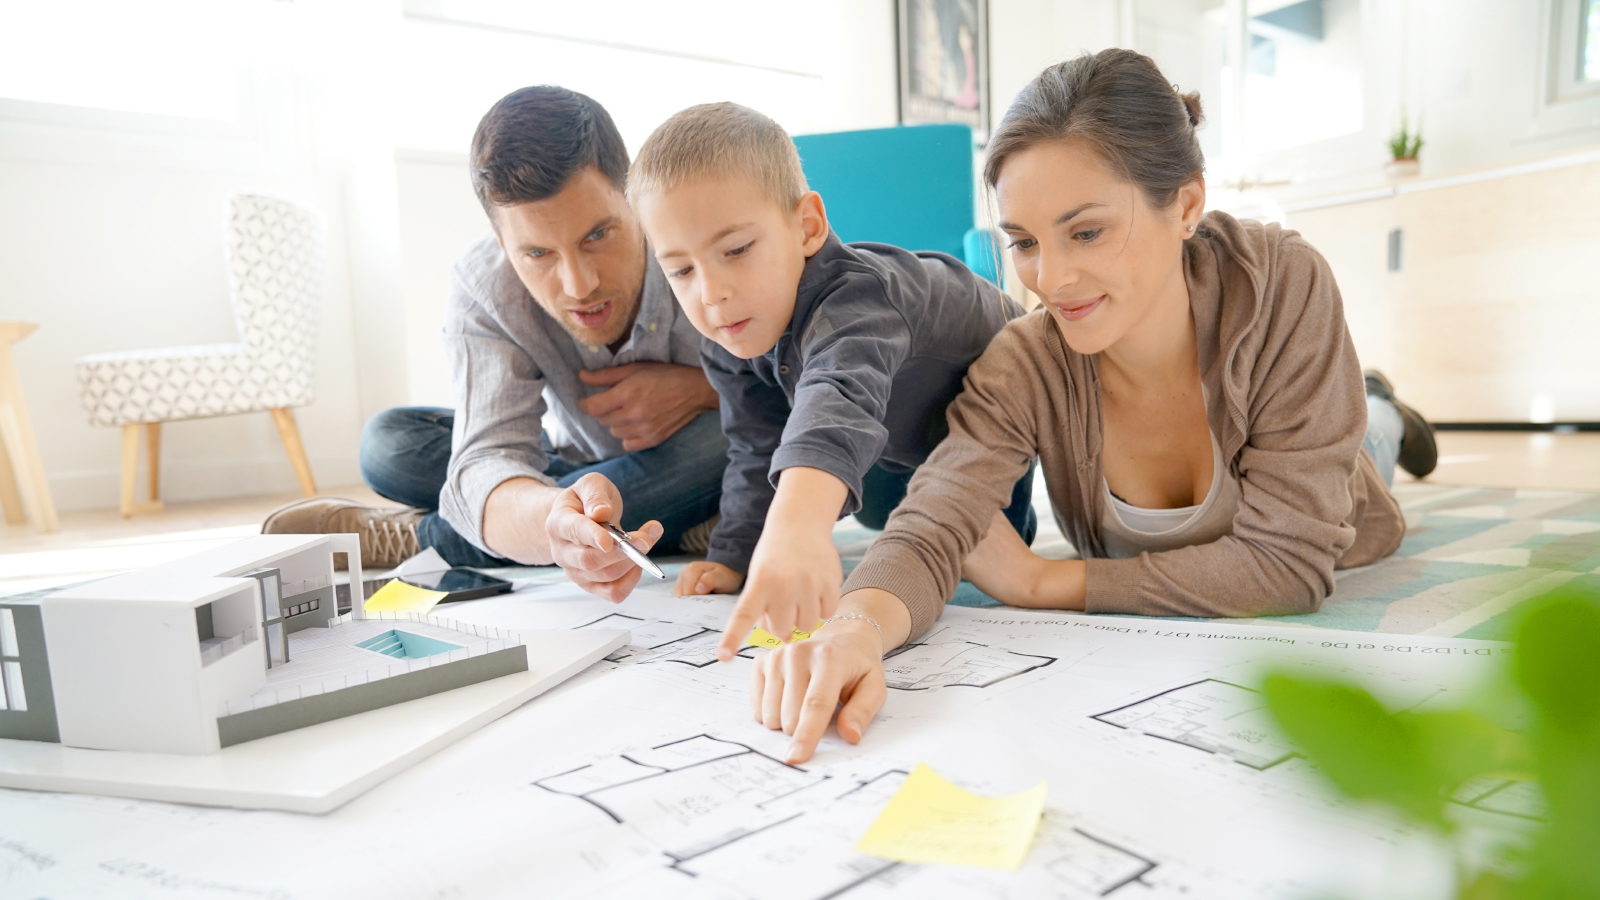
930 820
760 637
397 596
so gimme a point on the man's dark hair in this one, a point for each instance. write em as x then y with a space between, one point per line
530 144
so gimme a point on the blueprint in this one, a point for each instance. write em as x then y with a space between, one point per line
1208 715
648 777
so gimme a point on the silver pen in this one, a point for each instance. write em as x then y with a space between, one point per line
634 553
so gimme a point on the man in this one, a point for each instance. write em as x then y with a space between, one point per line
561 308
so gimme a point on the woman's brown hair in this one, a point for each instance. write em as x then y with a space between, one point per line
1117 102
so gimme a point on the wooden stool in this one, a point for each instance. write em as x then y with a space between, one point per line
24 492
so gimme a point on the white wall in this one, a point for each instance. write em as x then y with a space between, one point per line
1484 322
439 217
849 84
111 237
1475 72
111 228
1498 296
1026 36
855 88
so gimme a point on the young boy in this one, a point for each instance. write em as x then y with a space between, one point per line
834 362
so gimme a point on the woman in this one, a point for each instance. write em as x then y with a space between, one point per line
1189 387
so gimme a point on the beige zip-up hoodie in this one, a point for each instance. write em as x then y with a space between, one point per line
1270 329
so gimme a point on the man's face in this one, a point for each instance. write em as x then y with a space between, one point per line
733 256
580 254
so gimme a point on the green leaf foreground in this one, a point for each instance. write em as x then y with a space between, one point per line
1415 762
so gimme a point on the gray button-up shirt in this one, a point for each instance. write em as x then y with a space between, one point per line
514 372
876 349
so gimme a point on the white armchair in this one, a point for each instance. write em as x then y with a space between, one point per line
275 257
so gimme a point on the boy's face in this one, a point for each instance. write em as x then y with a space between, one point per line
733 256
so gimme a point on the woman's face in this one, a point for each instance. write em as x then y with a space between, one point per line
1089 244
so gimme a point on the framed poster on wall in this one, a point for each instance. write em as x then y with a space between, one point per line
944 63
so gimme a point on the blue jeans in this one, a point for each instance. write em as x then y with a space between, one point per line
1384 430
882 491
405 454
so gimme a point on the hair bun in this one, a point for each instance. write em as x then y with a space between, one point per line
1118 103
1191 103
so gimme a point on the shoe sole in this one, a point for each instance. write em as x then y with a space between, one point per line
1419 450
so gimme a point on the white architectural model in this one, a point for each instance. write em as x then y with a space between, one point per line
230 645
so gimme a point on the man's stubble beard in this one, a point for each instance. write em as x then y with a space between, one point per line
625 300
624 309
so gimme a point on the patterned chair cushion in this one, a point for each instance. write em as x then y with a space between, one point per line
275 255
185 383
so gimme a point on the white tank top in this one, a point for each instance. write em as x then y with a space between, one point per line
1127 530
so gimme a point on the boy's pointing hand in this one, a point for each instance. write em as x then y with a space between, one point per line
794 575
792 584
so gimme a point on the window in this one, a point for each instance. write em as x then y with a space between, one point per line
1575 49
177 58
1188 40
643 60
272 615
12 695
1303 79
1589 41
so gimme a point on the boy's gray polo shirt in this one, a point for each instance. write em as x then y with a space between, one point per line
884 339
511 364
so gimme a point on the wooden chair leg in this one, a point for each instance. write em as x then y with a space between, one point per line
22 448
130 467
10 500
152 440
290 433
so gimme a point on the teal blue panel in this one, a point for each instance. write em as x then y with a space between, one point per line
405 645
911 186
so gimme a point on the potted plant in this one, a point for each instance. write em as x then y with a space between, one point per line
1404 146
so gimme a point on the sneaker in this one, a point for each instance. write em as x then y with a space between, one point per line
697 540
1419 452
388 534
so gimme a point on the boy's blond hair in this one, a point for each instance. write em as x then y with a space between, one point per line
719 140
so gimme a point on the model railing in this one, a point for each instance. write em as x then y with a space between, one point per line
213 649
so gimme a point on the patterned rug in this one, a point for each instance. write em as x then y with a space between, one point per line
1469 557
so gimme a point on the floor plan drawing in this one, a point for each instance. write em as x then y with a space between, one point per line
657 641
1079 859
649 777
721 810
955 663
1210 715
652 638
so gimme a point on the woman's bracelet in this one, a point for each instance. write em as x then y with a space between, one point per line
867 619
